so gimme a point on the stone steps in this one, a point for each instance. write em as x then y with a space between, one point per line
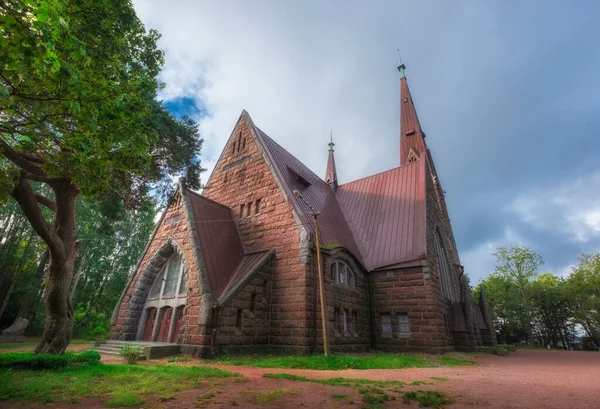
150 349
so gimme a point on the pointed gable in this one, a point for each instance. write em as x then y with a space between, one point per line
220 245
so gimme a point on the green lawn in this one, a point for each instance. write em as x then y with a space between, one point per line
118 385
32 342
340 362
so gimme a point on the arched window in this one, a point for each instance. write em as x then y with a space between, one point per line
445 274
171 279
342 274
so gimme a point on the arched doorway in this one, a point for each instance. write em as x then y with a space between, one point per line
164 324
178 322
163 310
149 324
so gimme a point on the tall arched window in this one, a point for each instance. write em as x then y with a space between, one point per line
170 280
444 271
342 274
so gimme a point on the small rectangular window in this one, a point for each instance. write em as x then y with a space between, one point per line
345 322
249 210
233 147
257 207
239 141
241 211
244 143
265 288
252 302
336 318
403 326
386 323
238 319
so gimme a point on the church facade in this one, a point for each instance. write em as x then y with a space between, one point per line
234 269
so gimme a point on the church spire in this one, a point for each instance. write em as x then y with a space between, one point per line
412 138
331 174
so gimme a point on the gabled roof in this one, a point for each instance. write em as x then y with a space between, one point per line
294 175
386 213
379 219
221 245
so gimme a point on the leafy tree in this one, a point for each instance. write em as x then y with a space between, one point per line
78 115
510 293
584 286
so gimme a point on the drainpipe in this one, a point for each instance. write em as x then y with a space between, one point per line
314 277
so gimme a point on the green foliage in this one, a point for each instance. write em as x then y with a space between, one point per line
275 394
340 362
500 350
429 399
544 309
118 383
30 360
128 351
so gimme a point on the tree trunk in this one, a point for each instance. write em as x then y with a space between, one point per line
7 298
58 326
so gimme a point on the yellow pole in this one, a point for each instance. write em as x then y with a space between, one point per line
320 270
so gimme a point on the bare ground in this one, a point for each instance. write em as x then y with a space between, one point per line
524 379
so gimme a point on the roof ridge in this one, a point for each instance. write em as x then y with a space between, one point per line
377 174
207 199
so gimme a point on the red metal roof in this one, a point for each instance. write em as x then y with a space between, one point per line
386 213
379 219
294 175
220 244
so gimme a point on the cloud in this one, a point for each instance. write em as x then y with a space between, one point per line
572 207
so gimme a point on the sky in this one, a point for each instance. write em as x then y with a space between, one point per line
508 93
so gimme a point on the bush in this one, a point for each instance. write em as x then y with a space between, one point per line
500 350
29 360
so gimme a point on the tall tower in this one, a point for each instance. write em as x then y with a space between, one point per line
412 138
331 174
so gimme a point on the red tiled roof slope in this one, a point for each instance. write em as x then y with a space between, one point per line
220 244
386 213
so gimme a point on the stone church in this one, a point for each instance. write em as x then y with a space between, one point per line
234 268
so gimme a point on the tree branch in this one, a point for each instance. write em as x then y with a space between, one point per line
44 201
18 159
25 197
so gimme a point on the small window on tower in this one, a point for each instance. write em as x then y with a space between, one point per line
244 143
257 207
239 141
265 288
241 211
233 148
249 210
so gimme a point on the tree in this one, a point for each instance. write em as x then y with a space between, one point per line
509 287
584 286
78 115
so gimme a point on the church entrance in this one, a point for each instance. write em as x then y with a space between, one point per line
166 314
149 324
163 312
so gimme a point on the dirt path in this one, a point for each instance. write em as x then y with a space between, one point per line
524 379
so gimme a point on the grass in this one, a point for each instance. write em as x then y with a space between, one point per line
500 350
275 394
350 382
340 362
428 399
123 385
33 342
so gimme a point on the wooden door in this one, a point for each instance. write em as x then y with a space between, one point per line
178 322
149 325
165 324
